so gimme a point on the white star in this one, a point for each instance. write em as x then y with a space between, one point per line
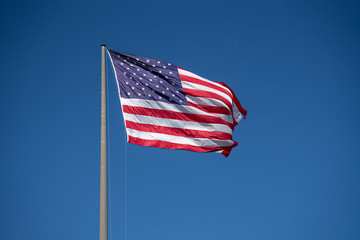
127 82
137 83
138 69
163 92
140 78
173 84
166 77
139 94
155 76
177 91
125 60
160 71
132 88
157 86
173 95
180 100
137 59
167 88
130 77
153 65
149 95
164 66
146 84
161 81
125 73
147 60
134 73
128 68
170 72
131 65
150 80
169 64
159 97
158 61
144 74
128 93
143 89
121 63
143 64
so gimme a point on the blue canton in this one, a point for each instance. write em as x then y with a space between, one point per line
147 78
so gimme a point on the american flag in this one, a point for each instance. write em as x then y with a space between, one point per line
166 106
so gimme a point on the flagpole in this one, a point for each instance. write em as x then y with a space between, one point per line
103 226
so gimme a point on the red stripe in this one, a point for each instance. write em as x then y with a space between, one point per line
235 123
204 83
236 101
178 131
211 109
206 94
174 115
170 145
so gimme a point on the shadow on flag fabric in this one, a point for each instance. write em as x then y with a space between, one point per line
166 106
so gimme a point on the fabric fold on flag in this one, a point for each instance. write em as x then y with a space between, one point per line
166 106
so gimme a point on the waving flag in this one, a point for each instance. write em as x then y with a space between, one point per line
166 106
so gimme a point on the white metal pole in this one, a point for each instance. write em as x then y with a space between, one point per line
103 228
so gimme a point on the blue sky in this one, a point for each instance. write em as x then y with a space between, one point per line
294 66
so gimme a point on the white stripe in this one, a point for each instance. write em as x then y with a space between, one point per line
174 123
190 85
190 74
207 101
132 102
236 113
198 142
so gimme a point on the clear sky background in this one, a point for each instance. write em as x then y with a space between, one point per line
294 66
